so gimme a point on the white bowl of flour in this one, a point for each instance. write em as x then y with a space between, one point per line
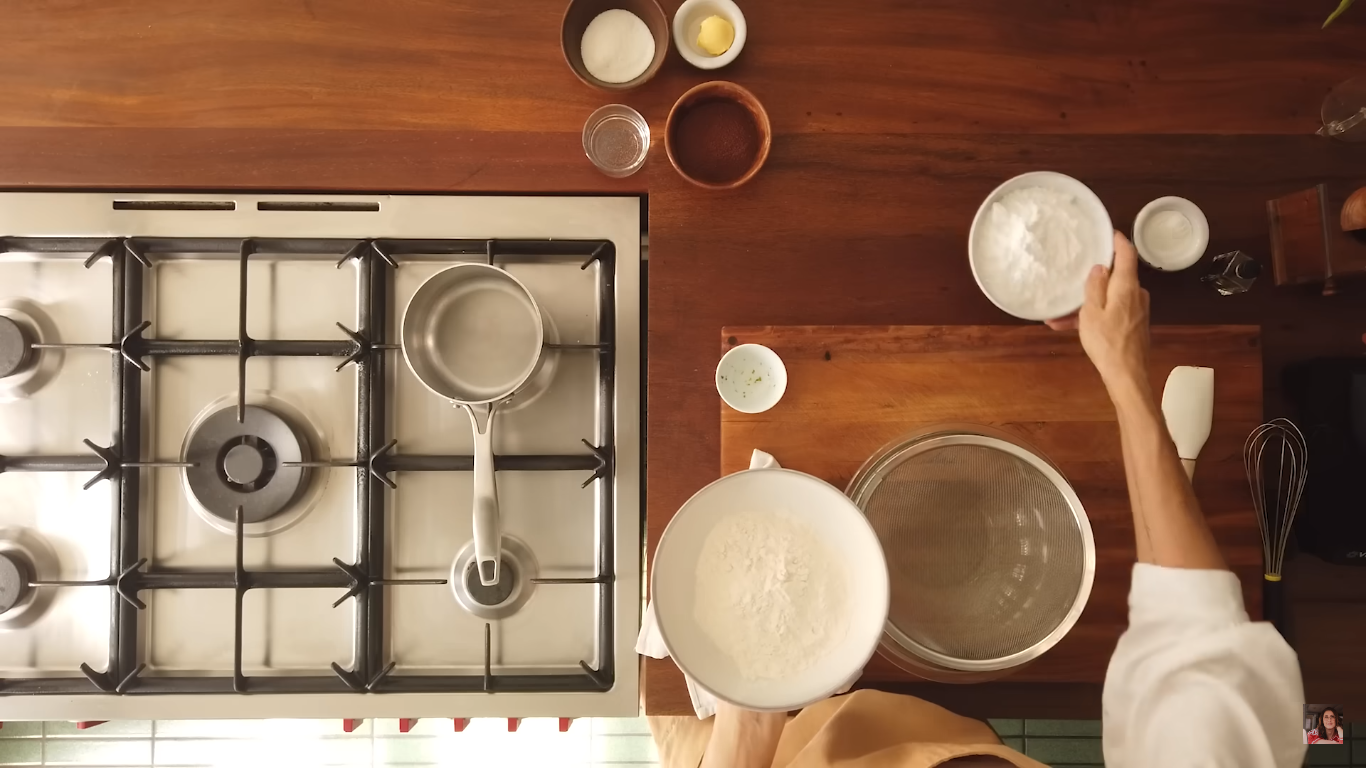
770 588
1033 242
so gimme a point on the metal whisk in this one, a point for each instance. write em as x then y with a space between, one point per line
1276 458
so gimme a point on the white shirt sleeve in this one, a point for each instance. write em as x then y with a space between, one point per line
1193 682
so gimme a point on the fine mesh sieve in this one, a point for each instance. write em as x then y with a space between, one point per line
989 551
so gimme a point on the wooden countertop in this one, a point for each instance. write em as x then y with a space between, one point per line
892 121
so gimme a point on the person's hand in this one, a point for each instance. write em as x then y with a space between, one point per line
1114 321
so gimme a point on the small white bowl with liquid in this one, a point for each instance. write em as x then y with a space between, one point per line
751 378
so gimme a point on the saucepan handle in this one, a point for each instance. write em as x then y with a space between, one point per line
488 526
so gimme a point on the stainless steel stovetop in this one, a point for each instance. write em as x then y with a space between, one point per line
166 360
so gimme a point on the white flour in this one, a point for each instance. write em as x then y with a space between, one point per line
770 594
1032 257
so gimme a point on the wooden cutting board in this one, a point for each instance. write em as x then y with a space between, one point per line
852 389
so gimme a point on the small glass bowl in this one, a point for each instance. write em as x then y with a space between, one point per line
616 138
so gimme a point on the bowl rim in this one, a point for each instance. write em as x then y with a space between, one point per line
656 63
855 513
749 101
779 391
933 437
737 20
996 193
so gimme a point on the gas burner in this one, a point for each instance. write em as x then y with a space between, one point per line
25 557
244 464
23 369
16 347
16 571
515 573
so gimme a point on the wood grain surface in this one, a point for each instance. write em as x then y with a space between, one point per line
874 66
891 120
853 389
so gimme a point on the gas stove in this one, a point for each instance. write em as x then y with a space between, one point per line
224 494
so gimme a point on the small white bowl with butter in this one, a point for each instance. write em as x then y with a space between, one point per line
1171 234
687 28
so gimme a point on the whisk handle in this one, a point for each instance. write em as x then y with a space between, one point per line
1273 603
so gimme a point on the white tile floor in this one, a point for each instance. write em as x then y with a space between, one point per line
589 743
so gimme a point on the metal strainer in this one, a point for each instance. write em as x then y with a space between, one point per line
989 551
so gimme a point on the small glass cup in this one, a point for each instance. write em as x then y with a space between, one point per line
616 138
1236 273
1344 111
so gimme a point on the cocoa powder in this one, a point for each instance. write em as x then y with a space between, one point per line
716 140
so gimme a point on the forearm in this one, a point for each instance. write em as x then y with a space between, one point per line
743 739
1167 518
1142 541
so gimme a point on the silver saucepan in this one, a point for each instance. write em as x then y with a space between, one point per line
473 335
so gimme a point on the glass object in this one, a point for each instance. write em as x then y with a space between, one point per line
1235 273
1344 111
616 138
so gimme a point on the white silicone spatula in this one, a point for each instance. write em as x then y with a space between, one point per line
1188 406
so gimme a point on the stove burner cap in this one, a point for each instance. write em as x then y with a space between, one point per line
15 574
516 573
496 594
248 464
15 347
243 464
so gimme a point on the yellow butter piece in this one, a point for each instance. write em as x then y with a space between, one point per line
716 36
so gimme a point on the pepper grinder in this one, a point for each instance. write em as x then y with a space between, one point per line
1236 272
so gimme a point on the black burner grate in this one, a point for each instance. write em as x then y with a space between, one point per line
374 464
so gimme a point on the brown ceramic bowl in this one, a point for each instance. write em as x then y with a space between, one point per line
706 164
576 19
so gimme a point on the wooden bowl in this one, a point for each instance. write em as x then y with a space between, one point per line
581 12
686 163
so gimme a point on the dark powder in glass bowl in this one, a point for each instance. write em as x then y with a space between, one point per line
716 140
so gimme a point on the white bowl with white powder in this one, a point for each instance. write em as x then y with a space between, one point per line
770 589
1034 241
1171 234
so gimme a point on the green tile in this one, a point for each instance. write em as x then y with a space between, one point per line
402 750
636 725
98 752
20 752
111 729
1064 751
20 730
305 750
1007 727
624 749
1014 742
1089 728
1329 754
227 729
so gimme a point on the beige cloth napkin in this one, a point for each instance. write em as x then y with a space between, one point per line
651 643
